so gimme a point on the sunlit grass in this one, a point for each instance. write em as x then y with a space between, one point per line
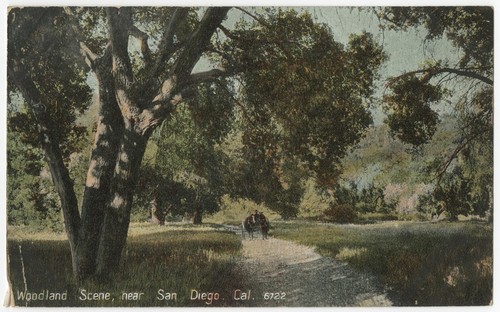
175 259
421 263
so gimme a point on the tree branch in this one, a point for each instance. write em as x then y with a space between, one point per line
211 20
434 71
120 21
228 33
90 57
265 24
166 47
208 75
465 141
153 116
191 53
180 79
465 73
143 38
255 17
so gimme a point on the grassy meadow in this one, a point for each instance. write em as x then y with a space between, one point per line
175 259
421 263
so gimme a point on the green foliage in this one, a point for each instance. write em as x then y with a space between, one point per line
469 28
185 174
412 120
313 203
298 98
470 79
408 177
213 110
369 198
308 91
43 39
340 213
31 199
456 196
303 102
234 211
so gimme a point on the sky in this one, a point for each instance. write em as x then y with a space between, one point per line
406 50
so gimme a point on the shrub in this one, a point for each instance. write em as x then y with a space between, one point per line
340 213
373 217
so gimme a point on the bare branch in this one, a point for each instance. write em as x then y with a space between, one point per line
263 22
228 33
465 73
90 57
464 142
255 17
434 71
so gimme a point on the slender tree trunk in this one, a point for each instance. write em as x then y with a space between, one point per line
155 211
53 156
198 214
158 212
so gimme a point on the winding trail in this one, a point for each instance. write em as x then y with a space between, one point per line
306 278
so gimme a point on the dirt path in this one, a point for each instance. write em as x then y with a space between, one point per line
305 277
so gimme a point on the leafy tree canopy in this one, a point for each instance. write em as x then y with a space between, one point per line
44 42
303 94
469 79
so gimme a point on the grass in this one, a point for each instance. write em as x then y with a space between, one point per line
421 263
174 258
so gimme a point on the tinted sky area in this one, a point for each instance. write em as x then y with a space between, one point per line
406 49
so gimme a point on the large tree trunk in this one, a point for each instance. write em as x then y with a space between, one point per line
98 236
119 204
100 172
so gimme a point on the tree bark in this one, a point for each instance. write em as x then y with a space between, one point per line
198 216
155 211
119 203
158 211
100 172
